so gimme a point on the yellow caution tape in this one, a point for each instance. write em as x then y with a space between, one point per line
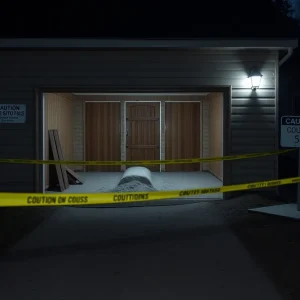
140 162
27 199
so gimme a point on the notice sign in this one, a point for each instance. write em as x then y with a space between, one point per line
290 131
12 113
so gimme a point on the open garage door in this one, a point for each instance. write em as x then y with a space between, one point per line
115 127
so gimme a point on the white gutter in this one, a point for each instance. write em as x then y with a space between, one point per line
286 57
63 43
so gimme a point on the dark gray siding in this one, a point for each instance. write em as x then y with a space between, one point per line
253 113
289 100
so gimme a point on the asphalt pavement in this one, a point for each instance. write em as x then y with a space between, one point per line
165 252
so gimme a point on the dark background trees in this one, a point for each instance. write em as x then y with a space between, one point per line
218 18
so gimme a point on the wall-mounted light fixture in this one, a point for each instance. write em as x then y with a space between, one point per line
255 77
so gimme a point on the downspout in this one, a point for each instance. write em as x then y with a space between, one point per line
286 57
280 63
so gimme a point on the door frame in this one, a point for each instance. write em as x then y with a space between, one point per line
44 103
125 128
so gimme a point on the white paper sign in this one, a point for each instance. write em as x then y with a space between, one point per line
290 131
12 113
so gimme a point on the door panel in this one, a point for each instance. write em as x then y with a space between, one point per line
102 134
182 134
143 132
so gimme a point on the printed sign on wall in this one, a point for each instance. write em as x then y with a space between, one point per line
290 132
12 113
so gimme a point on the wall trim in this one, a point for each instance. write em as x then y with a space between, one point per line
190 43
277 141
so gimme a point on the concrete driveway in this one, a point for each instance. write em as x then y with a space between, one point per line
177 252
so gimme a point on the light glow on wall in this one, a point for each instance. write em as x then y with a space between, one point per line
255 79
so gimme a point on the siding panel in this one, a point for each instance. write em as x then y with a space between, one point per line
22 71
248 93
268 102
249 133
252 126
253 118
257 140
250 148
253 110
253 123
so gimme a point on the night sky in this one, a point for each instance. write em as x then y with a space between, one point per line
296 4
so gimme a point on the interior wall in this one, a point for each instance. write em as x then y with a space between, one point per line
216 133
79 120
183 134
78 130
58 115
205 124
102 134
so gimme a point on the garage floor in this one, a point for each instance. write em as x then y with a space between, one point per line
105 182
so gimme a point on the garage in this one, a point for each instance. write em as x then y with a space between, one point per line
127 99
136 127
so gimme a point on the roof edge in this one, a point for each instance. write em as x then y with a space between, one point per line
147 43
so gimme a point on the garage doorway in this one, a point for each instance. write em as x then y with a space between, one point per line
143 132
139 126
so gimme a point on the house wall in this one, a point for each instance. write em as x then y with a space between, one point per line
215 101
253 121
58 115
289 104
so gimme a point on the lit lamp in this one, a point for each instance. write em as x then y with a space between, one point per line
255 77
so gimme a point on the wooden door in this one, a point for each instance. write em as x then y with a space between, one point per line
182 134
102 134
143 132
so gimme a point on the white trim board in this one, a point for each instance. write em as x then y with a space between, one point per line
141 94
234 44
